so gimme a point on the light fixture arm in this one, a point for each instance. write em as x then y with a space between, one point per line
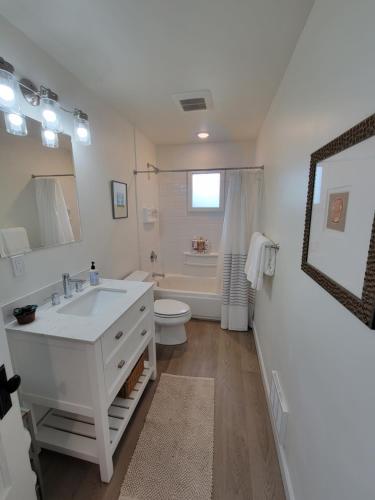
28 89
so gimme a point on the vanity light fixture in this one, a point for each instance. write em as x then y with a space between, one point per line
50 138
203 135
81 127
15 120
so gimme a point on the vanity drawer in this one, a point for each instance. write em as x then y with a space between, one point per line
119 363
119 331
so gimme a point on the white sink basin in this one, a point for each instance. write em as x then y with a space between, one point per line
93 303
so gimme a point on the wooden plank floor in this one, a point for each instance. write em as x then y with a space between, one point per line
245 459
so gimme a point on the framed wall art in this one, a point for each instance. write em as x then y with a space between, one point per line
339 238
119 192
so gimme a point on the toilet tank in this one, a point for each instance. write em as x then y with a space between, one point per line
139 276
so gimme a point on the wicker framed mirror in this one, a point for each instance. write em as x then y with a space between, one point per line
339 238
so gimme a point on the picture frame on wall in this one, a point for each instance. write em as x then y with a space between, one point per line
339 239
119 191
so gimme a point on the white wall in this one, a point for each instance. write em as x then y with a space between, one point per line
177 225
112 243
325 356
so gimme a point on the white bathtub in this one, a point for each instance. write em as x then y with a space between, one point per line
199 293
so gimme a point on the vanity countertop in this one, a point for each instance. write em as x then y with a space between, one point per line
51 323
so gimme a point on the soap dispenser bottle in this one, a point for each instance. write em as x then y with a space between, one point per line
94 278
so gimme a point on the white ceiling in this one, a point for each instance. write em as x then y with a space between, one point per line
137 53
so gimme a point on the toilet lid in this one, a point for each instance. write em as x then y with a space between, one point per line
169 307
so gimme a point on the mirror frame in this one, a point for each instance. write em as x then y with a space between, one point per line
364 307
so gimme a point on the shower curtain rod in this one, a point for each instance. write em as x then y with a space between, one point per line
157 170
52 175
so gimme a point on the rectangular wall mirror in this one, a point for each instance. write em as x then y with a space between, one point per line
339 242
38 192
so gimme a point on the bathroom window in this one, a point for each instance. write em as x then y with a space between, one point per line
206 191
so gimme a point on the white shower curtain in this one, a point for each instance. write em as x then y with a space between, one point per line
55 227
241 219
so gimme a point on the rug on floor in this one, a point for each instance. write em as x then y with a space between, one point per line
173 458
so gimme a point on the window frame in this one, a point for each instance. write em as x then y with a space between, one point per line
220 208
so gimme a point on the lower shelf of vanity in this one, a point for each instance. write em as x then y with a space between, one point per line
74 435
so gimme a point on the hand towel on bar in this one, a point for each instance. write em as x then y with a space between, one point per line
255 261
14 241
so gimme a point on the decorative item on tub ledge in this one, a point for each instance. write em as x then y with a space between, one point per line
199 245
339 240
50 109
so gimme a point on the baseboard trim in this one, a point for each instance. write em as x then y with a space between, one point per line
288 486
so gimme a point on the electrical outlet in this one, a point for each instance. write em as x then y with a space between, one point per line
18 265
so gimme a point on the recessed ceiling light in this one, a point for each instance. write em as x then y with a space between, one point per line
203 135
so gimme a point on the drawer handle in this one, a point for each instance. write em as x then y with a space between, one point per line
121 364
119 335
143 332
143 308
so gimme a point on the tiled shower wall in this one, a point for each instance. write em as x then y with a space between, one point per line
177 225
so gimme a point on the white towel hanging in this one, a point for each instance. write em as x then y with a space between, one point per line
255 263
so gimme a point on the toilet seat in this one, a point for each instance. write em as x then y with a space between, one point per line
168 308
170 315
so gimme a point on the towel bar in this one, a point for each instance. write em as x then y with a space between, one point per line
274 245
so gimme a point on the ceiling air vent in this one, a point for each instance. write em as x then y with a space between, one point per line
199 100
196 104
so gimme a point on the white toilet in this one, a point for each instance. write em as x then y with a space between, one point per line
170 316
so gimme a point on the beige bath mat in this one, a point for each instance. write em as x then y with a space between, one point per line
173 458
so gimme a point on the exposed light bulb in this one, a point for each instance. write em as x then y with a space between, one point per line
203 135
49 116
6 93
49 134
15 123
82 132
49 138
82 127
8 86
50 109
15 120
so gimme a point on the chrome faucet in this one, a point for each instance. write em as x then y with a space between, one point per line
67 285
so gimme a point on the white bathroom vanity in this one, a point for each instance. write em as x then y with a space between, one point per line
73 360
